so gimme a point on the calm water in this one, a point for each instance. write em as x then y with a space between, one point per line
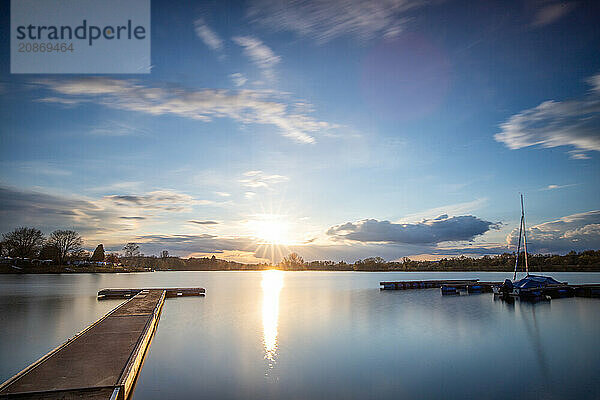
320 335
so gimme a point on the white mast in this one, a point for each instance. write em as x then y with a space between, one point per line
518 247
524 234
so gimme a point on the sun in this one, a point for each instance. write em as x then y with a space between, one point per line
271 229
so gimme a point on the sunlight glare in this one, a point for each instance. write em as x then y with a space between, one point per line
271 229
272 283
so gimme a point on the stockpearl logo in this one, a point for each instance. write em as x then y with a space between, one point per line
80 36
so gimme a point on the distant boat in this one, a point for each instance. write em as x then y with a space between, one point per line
531 286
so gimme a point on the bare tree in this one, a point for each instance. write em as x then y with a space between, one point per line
292 261
164 254
131 249
23 242
65 242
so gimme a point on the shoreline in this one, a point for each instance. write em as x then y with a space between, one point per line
8 270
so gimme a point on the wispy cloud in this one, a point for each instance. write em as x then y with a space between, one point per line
116 128
165 200
238 79
259 53
203 222
259 179
429 231
574 123
554 187
208 36
551 12
594 82
58 100
223 194
49 168
325 20
245 106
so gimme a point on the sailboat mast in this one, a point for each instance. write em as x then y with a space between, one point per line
518 248
524 234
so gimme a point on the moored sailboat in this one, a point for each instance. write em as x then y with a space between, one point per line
531 286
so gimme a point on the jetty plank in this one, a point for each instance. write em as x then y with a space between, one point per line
102 361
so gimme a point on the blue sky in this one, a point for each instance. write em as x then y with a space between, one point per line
337 129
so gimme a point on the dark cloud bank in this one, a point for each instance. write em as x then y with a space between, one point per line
440 229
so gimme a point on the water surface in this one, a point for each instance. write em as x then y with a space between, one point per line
321 335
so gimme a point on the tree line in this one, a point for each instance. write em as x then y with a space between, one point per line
588 260
30 243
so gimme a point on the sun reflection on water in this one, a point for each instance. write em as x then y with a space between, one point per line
272 282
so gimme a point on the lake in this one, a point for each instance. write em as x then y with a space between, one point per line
323 335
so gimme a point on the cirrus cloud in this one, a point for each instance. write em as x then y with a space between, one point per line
238 79
259 179
244 106
259 53
574 123
325 20
550 13
207 35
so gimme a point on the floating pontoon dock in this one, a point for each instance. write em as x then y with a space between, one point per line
403 285
562 290
103 360
475 286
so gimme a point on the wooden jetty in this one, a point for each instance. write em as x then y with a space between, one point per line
170 292
102 361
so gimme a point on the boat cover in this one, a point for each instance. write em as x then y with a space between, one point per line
535 281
